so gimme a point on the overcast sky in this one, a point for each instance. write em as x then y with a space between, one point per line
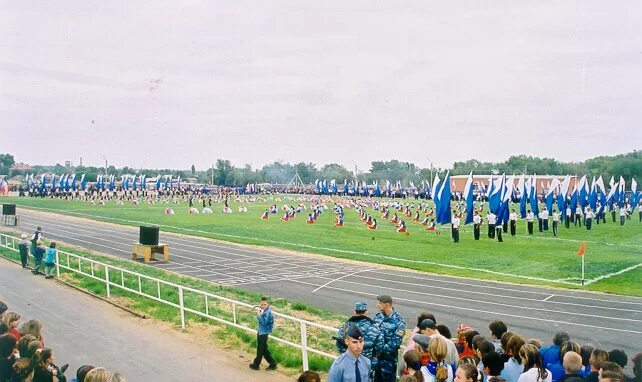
164 84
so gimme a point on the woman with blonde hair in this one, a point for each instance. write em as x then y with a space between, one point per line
437 369
99 374
534 370
11 320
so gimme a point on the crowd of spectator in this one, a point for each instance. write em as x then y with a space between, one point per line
24 357
433 354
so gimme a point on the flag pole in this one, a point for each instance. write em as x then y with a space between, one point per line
582 270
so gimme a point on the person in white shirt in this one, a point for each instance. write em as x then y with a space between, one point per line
567 220
578 216
529 221
540 221
476 224
556 220
623 214
492 220
545 219
588 216
513 222
534 371
455 227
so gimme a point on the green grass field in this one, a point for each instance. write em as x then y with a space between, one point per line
539 259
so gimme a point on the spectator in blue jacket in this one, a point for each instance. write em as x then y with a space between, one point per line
38 255
50 261
266 324
551 354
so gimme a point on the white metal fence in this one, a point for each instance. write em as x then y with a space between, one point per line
106 273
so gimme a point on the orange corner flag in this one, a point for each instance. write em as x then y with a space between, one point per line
580 252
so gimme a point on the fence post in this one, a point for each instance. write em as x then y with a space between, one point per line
57 265
107 281
234 312
182 305
304 346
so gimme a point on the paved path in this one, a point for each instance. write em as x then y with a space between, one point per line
84 330
603 320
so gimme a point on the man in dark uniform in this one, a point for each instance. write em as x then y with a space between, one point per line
392 327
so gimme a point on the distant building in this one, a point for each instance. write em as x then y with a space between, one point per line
20 166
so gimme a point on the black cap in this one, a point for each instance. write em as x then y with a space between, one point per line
384 298
353 331
427 324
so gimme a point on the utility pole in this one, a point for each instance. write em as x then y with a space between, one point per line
212 174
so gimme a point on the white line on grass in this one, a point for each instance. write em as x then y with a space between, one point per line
587 282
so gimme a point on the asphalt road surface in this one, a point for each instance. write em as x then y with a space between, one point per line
603 320
83 330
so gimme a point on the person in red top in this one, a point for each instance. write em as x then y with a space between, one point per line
462 346
11 320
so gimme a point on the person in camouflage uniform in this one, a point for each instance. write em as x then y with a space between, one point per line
373 340
392 327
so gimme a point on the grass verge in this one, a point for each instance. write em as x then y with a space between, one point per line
222 335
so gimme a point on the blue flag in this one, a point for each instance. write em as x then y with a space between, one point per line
533 196
444 216
469 195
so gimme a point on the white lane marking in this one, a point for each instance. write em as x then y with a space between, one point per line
339 278
492 314
246 269
546 299
276 259
491 302
125 251
477 292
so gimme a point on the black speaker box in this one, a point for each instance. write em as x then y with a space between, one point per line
148 235
8 209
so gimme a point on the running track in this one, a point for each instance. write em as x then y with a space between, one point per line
534 312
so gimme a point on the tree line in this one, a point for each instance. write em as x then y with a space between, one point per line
627 165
